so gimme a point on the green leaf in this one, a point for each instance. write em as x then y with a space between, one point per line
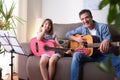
103 3
9 13
2 51
19 19
1 7
112 13
109 64
102 67
119 4
106 67
114 2
117 23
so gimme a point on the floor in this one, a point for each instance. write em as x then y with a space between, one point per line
8 76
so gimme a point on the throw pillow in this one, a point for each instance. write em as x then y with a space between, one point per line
64 43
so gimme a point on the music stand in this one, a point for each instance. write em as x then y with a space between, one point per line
10 44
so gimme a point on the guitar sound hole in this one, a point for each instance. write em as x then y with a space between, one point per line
36 45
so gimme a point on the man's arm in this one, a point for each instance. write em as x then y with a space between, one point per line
105 44
77 39
73 32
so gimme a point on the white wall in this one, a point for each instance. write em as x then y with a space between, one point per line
62 11
33 13
100 15
22 28
66 11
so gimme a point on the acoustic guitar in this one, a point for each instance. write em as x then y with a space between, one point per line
91 42
37 46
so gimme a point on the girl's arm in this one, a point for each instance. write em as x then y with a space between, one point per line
41 34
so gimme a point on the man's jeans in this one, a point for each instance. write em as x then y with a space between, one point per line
78 59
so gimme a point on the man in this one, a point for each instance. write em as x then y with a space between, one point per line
101 31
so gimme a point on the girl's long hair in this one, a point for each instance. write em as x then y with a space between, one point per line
51 24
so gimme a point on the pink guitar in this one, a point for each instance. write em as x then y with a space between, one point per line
37 46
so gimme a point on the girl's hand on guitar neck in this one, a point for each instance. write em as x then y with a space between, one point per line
104 46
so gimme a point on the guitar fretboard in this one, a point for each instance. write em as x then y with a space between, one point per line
117 44
47 48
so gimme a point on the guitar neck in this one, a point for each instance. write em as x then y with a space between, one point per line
95 45
58 49
47 48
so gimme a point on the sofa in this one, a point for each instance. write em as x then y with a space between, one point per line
28 66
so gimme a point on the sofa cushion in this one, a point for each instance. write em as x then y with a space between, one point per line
115 35
61 29
92 72
64 43
26 48
63 69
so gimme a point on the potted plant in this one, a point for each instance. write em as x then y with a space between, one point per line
113 16
7 18
114 12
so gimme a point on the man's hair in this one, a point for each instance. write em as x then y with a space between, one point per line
85 11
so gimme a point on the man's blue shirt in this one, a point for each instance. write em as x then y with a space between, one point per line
102 31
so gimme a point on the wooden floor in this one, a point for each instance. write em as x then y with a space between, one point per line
8 76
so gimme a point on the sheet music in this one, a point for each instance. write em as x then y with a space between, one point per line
8 39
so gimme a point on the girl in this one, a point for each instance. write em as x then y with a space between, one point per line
46 33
